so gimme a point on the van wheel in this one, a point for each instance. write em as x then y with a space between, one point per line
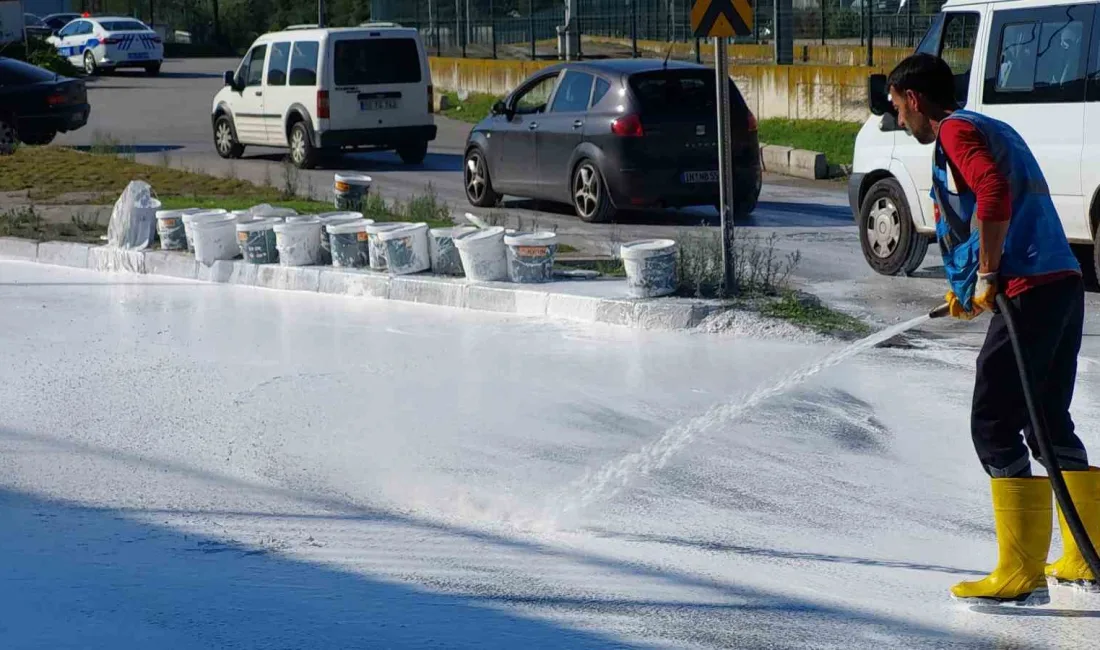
887 235
413 154
590 199
225 138
475 176
302 153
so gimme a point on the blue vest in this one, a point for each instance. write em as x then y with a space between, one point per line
1035 243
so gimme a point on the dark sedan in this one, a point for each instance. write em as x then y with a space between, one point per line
607 135
36 104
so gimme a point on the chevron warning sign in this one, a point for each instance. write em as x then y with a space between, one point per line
721 18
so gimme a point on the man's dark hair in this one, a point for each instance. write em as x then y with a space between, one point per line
928 75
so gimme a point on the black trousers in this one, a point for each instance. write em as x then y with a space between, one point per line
1049 319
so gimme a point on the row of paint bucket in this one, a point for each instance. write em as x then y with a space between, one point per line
493 255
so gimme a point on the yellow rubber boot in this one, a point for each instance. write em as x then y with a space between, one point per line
1071 568
1022 514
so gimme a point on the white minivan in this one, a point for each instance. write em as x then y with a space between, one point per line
326 90
1031 63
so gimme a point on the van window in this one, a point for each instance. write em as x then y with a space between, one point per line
952 37
375 61
276 64
573 93
303 64
254 73
1037 56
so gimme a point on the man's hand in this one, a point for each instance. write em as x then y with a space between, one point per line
955 308
985 291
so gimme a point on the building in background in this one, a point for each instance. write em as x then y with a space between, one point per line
42 8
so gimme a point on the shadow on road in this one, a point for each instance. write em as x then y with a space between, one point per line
137 73
377 162
127 148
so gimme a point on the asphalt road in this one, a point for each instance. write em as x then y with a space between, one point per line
167 118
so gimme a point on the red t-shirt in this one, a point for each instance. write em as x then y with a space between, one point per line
972 167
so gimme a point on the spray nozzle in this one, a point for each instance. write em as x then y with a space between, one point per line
941 311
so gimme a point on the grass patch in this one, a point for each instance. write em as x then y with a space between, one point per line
808 312
25 222
757 268
475 108
49 172
837 140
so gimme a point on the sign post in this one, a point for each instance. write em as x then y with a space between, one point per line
722 20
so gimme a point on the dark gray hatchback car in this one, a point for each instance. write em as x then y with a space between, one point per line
616 134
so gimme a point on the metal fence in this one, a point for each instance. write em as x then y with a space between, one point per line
530 28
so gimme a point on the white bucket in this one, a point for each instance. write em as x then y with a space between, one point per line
189 219
483 254
173 236
650 267
215 238
349 244
406 249
257 240
441 249
351 190
299 243
377 248
268 210
328 218
531 256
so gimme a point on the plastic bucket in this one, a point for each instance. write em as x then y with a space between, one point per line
215 238
650 267
298 243
406 249
190 218
349 242
483 254
257 241
328 218
441 249
351 190
265 210
376 247
173 236
531 256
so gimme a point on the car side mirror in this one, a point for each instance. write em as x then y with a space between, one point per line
230 79
878 96
499 108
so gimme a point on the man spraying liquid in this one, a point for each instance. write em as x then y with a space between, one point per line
998 231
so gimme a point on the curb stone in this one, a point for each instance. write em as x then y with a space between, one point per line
800 163
500 297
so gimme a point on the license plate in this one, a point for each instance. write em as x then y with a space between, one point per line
139 55
700 177
382 104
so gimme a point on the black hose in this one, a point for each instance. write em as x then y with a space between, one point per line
1050 460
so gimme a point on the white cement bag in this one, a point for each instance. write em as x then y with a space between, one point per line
134 218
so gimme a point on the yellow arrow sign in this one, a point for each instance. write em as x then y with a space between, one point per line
721 18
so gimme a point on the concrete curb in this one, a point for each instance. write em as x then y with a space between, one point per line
553 300
800 163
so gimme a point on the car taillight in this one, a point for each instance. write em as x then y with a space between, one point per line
156 39
322 104
627 126
54 100
110 41
752 122
431 99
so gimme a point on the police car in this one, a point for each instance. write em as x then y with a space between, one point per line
109 43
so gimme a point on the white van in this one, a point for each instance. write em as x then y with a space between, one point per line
328 90
1031 63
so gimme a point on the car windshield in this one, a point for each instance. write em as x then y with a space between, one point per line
14 73
124 26
372 61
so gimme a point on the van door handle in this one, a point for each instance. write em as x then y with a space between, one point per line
578 124
258 93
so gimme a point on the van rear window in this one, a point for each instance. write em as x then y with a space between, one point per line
375 61
672 92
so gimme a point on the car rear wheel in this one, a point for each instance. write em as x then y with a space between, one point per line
153 69
225 139
90 66
590 199
413 154
8 139
37 138
887 235
479 189
302 153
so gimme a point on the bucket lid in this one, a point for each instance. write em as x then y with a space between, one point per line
352 178
452 232
479 235
214 220
329 217
303 224
647 248
402 231
301 218
176 214
190 217
343 227
268 210
382 226
530 239
257 225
